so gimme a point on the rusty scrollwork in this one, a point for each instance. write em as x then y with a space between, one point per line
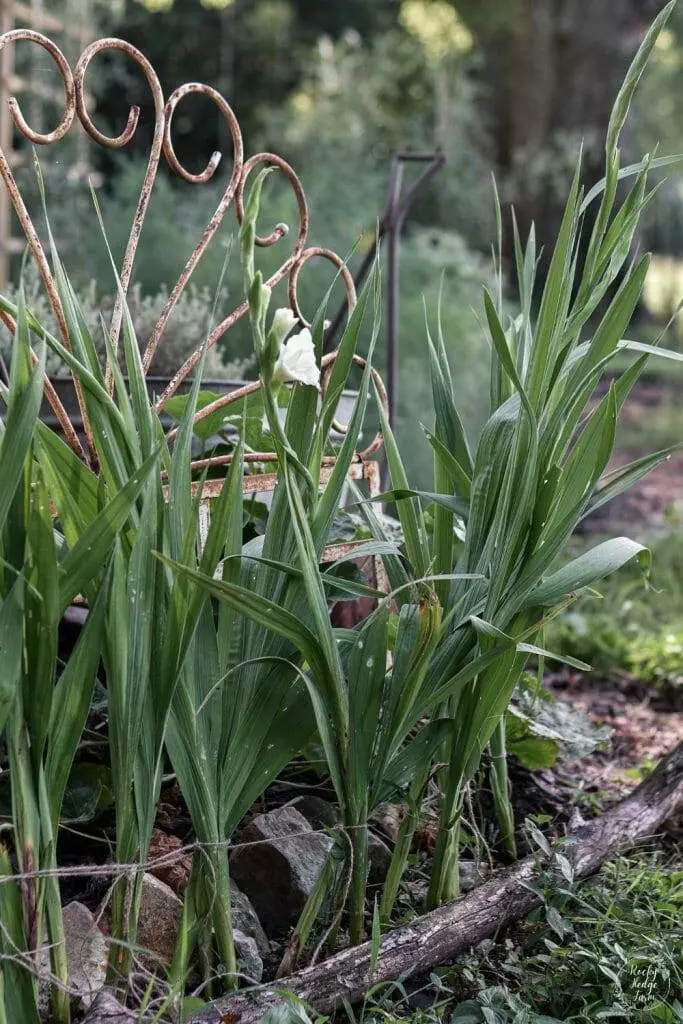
233 197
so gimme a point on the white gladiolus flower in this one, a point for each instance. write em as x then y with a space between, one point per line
283 322
296 361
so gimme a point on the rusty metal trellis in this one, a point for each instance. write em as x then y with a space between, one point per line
233 196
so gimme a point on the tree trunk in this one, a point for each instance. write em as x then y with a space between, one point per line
555 67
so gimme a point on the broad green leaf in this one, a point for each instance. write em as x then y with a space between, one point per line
365 672
402 769
449 463
92 549
71 704
74 487
408 511
625 477
267 614
629 172
23 408
450 502
503 351
594 565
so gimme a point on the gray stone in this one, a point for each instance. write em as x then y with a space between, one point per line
249 961
387 818
86 956
321 813
472 874
107 1008
159 921
86 952
379 856
279 870
245 920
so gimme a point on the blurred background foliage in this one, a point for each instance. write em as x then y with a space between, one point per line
509 87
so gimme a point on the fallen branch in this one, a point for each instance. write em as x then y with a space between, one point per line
454 928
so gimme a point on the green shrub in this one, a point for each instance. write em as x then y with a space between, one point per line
185 333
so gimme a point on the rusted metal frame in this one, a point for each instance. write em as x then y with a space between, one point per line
259 483
117 142
74 85
223 401
205 175
30 233
268 160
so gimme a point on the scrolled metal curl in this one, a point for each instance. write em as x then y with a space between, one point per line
317 251
117 142
43 138
30 233
162 143
204 176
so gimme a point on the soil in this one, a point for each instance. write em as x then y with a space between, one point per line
645 724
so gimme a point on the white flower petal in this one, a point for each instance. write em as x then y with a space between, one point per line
296 361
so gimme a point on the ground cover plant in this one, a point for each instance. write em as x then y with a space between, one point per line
613 953
219 660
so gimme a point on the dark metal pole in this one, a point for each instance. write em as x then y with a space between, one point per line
393 243
390 224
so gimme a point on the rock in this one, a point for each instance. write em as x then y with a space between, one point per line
86 956
472 874
249 961
86 952
108 1010
278 872
244 919
379 856
159 921
175 873
387 819
320 813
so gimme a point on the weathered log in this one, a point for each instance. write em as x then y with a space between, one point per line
454 928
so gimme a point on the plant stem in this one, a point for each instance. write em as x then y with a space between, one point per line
359 878
445 880
309 915
222 914
60 968
500 785
404 842
122 921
